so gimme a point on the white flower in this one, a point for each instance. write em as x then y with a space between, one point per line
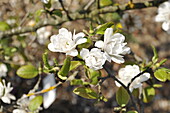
5 95
94 59
164 16
43 35
126 74
45 1
113 46
19 111
3 70
66 42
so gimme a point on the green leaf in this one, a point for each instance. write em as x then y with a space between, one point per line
93 76
45 61
76 82
132 112
101 28
148 94
155 57
104 3
86 93
162 74
62 74
122 97
157 85
75 64
35 103
57 12
27 71
4 26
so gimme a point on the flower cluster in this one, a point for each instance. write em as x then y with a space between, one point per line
164 16
5 90
113 47
126 74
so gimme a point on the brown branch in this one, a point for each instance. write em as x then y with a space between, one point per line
76 16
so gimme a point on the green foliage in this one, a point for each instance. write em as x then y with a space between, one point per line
122 97
27 71
148 94
132 112
4 26
93 76
74 65
62 74
162 74
76 82
57 12
45 61
104 3
35 103
155 57
86 92
101 28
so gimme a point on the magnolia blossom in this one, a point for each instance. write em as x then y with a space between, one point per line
3 70
45 1
126 74
113 46
43 35
164 16
66 42
94 59
5 95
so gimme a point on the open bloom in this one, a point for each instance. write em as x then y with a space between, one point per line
126 74
3 70
113 46
164 16
65 42
94 59
5 95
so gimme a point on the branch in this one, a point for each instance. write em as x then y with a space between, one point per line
80 15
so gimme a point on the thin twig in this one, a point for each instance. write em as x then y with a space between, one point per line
67 13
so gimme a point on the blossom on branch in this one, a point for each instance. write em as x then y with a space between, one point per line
113 46
164 16
94 59
3 70
5 95
125 75
65 42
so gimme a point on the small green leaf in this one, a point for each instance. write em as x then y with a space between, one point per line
27 72
57 12
93 76
157 85
148 94
162 74
101 28
35 103
4 26
45 61
104 3
62 74
86 93
122 97
76 82
75 64
155 57
132 112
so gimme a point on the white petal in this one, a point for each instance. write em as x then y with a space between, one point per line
51 48
119 37
63 31
78 35
84 52
107 34
160 18
166 26
144 77
99 44
73 52
81 41
6 100
118 60
108 58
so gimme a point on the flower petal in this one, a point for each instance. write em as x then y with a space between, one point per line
117 59
107 34
99 44
144 77
160 18
51 48
84 52
73 52
166 26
